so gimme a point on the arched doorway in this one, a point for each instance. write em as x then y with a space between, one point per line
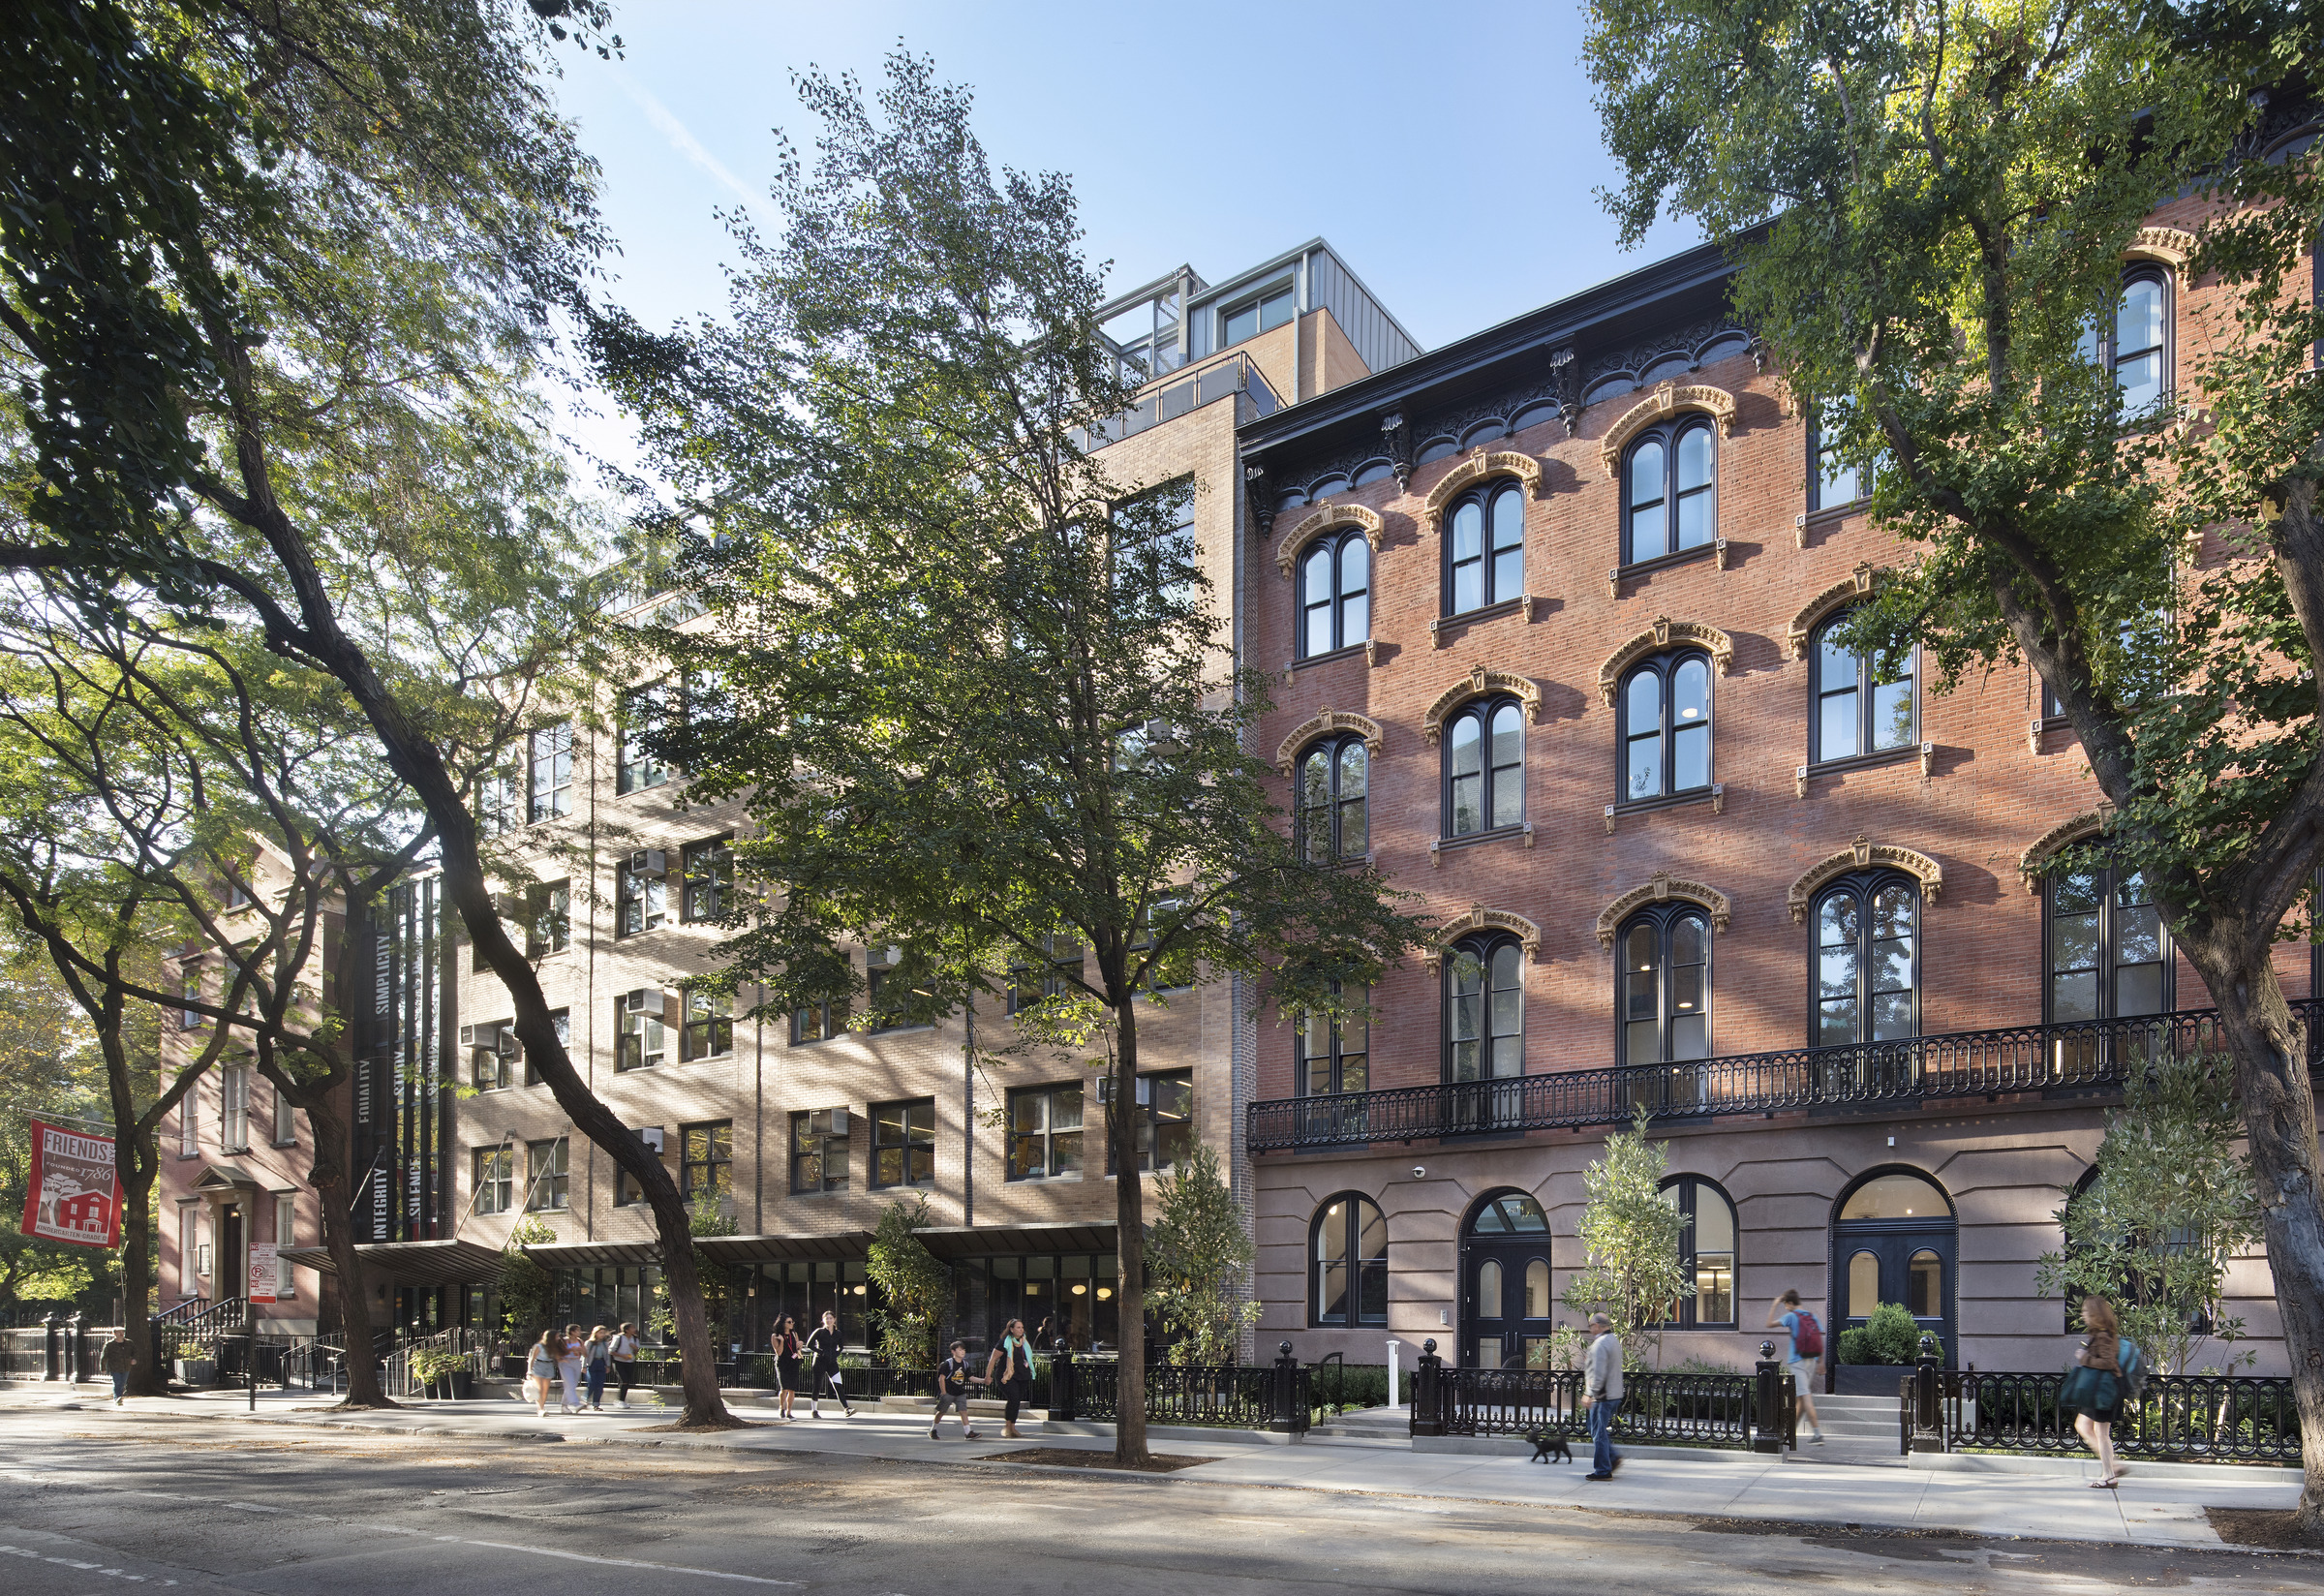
1505 1301
1895 1240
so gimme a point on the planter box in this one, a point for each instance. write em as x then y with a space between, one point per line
196 1372
456 1386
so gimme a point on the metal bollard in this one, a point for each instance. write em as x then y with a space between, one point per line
1287 1413
1928 1413
1061 1392
1774 1403
1428 1405
53 1363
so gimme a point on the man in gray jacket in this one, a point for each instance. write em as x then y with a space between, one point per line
1602 1389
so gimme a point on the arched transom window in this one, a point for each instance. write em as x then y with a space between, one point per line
1485 767
1867 955
1670 490
1351 1262
1334 818
1666 731
1484 1010
1864 702
1484 546
1335 593
1665 986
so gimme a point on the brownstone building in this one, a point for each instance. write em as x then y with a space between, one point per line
1549 607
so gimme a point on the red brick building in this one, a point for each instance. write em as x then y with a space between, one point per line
1547 607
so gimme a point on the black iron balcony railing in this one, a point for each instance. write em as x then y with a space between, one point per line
1964 1063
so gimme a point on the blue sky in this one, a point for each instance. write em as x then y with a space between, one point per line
1449 153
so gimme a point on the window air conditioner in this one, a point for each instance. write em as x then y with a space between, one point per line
649 862
505 1044
638 1001
651 1135
839 1121
468 1036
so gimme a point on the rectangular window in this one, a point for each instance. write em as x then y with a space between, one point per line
641 1030
642 712
1045 1134
189 1122
190 1263
499 801
546 1176
708 869
1030 984
709 1031
285 1233
819 1151
234 1108
1165 1122
816 1023
903 1143
626 1192
643 892
561 1021
1264 312
550 755
888 1000
1174 972
496 1179
491 1054
285 1120
548 918
706 1159
189 983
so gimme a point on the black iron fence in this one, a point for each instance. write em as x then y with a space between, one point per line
1271 1397
2011 1060
2176 1418
1669 1408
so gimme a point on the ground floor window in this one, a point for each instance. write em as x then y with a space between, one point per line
608 1296
807 1290
1067 1297
1706 1247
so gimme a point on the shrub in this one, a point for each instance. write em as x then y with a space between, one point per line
1894 1334
1855 1347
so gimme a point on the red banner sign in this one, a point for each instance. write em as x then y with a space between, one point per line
75 1194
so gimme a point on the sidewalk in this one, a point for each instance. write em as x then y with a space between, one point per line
2154 1506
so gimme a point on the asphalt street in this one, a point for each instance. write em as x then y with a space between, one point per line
90 1505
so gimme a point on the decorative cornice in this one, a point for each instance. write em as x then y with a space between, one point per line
1325 723
1663 633
1475 469
2035 862
1475 684
1692 342
1478 918
1862 855
1327 519
2172 246
1666 400
1662 889
1855 585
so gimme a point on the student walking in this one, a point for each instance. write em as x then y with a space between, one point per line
953 1381
621 1353
597 1362
784 1341
569 1366
1803 1357
540 1372
2105 1370
120 1356
1602 1385
1009 1372
823 1345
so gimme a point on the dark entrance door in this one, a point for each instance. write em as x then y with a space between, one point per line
233 1274
1896 1241
1505 1303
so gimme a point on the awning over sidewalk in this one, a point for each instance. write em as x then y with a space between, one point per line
594 1254
443 1263
833 1246
951 1242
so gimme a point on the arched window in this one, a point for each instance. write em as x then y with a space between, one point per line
2110 952
1333 1058
1484 1010
2137 348
1666 730
1351 1263
1664 1001
1485 767
1834 481
1867 960
1671 491
1706 1251
1864 703
1335 822
1335 594
1484 546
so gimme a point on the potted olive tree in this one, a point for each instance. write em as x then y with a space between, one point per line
444 1373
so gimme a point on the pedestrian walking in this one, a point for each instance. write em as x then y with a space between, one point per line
2106 1370
823 1348
597 1362
953 1381
785 1342
540 1372
1804 1357
622 1354
1009 1372
120 1356
569 1366
1602 1387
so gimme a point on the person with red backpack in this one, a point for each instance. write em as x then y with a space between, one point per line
1804 1354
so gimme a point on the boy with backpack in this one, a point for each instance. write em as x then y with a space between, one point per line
953 1381
1806 1351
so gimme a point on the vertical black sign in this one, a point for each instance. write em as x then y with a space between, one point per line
402 1082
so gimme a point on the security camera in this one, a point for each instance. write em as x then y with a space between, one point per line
1418 1174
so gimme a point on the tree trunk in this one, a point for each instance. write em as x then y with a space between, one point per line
329 1177
2269 1045
136 1164
1129 1218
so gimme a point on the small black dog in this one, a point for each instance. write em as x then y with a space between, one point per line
1549 1446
